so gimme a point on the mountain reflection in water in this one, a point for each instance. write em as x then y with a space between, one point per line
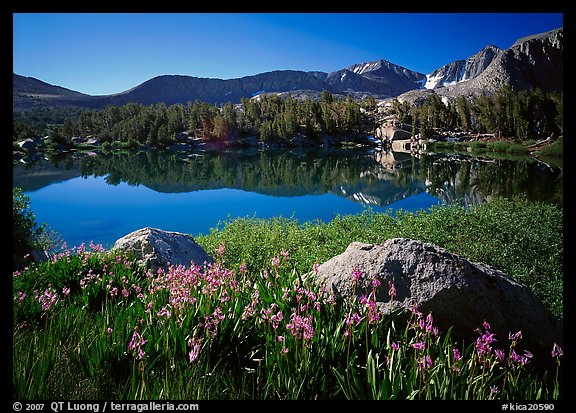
307 183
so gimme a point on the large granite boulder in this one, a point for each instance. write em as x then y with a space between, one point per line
160 249
459 293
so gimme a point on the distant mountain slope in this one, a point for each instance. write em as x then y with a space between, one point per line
29 92
380 78
533 61
462 70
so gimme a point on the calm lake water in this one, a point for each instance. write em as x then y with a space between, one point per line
88 197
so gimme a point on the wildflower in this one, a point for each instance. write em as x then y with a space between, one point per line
515 337
456 354
276 319
395 346
164 312
425 362
356 274
414 310
373 315
315 267
493 392
457 357
521 359
48 298
280 339
66 291
500 354
429 322
391 289
21 295
137 342
110 330
352 318
300 327
375 282
196 346
557 351
418 346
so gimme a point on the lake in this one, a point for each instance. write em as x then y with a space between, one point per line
100 197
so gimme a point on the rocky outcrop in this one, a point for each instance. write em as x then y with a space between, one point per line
532 62
160 249
462 70
459 293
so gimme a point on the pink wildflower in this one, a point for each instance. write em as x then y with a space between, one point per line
418 346
557 351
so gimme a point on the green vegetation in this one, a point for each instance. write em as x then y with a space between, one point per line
271 118
521 115
478 147
91 324
275 120
27 234
505 233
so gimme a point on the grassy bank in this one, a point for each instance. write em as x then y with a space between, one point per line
522 238
91 324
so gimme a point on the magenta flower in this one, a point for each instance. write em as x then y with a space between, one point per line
456 354
280 339
352 318
242 268
515 337
110 330
425 362
195 347
136 343
391 289
395 346
418 346
373 314
356 274
557 351
300 327
315 267
276 262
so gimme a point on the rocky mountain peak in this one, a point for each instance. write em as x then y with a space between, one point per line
533 61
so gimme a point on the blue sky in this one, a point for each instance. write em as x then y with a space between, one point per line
111 52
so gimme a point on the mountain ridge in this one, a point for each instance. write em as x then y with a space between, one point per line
532 61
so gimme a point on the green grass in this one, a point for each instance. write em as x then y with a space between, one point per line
507 234
478 147
94 325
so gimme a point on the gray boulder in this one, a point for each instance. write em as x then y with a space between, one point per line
31 144
160 249
459 293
